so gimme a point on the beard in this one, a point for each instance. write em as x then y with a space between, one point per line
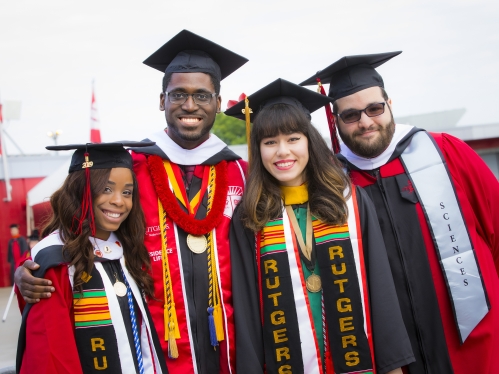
190 136
368 148
184 134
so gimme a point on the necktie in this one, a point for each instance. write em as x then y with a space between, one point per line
188 172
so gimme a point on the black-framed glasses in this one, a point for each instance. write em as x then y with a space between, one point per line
199 98
353 115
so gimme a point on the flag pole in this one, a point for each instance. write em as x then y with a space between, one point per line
94 119
8 304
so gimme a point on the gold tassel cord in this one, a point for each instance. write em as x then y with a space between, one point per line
247 115
319 85
213 288
172 332
217 307
170 316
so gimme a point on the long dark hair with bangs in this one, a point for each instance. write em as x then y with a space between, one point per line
77 249
325 178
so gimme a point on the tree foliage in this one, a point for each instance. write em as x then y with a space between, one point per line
231 130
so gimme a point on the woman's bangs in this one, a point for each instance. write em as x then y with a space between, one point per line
275 120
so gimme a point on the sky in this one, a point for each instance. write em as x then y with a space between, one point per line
51 51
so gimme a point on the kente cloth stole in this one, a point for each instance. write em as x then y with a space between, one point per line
100 333
94 332
429 176
167 179
289 331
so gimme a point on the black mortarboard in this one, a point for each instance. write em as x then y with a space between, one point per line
100 155
35 235
280 91
351 74
187 52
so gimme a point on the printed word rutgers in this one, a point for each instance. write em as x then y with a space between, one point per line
277 317
346 327
97 346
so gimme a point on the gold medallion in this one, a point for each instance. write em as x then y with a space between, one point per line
107 249
314 283
197 244
120 289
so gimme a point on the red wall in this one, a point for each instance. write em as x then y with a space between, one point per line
12 212
483 143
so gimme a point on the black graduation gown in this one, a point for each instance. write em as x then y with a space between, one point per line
392 347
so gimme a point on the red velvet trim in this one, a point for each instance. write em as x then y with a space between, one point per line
362 178
362 262
172 208
328 357
391 169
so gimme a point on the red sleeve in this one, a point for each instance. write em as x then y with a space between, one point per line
475 180
50 343
244 166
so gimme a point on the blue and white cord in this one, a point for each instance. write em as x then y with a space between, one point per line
136 340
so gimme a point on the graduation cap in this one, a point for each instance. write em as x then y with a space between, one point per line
100 155
35 235
351 74
187 52
96 156
279 91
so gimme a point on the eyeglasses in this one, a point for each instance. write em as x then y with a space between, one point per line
181 97
353 115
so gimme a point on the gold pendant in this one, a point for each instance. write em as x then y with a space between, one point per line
314 283
197 244
119 289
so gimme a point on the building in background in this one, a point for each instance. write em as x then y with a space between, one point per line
484 139
25 173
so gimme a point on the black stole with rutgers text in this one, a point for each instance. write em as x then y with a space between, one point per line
289 335
94 331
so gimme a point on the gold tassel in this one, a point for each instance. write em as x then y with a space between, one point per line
319 84
169 311
217 308
172 343
247 111
219 323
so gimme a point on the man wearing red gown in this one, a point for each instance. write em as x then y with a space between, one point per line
435 200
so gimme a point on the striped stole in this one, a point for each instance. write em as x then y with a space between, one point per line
100 333
289 331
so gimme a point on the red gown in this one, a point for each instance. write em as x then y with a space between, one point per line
421 287
189 271
52 345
